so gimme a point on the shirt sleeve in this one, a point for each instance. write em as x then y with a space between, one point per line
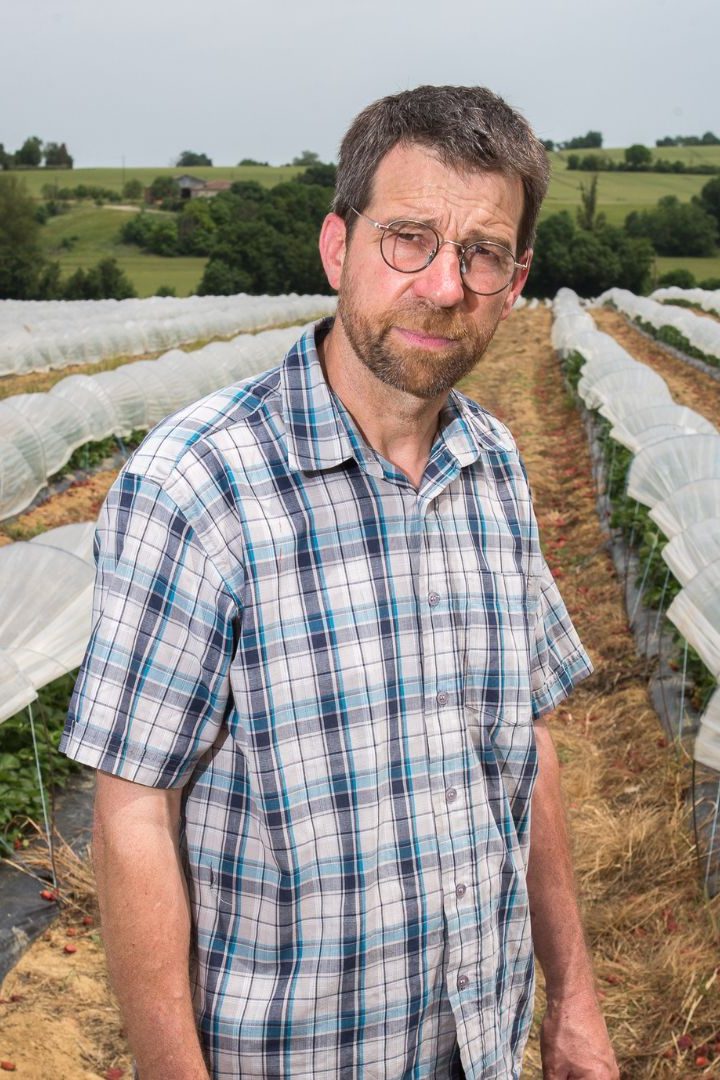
559 660
153 687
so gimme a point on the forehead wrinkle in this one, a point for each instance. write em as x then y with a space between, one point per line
461 205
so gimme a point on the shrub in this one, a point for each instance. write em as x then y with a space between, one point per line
683 279
132 189
675 228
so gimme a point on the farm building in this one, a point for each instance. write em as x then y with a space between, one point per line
192 187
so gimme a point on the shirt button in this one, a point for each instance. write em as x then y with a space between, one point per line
460 890
451 794
462 982
442 698
433 599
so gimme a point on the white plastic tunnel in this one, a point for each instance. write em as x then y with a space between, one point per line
693 502
46 612
645 426
662 468
707 740
695 612
693 549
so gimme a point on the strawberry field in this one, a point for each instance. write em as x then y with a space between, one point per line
653 931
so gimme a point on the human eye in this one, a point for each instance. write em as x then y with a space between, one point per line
485 252
411 235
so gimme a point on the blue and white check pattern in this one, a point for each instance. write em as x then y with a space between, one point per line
342 672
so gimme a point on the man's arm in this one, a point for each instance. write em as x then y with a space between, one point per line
574 1038
145 916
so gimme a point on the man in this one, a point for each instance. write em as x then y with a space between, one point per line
325 640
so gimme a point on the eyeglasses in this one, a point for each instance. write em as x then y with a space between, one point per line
410 246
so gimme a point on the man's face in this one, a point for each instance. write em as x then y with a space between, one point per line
422 332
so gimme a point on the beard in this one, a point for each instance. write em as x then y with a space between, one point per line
424 373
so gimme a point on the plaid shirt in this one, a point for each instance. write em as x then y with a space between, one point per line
342 673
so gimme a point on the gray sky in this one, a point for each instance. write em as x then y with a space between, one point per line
146 79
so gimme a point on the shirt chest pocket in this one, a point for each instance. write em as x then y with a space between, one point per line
501 626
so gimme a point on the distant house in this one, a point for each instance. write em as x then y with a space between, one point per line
212 187
191 187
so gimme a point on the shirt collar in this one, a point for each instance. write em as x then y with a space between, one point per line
317 433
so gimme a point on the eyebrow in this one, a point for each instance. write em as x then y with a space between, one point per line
473 238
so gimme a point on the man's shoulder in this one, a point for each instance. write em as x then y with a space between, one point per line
491 432
187 432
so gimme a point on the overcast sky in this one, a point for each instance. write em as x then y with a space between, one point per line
146 79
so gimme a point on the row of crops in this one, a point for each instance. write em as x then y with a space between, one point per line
694 335
40 335
704 299
46 583
662 473
40 432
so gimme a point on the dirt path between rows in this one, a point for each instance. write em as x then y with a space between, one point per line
654 939
686 384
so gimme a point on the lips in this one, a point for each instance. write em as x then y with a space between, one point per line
424 339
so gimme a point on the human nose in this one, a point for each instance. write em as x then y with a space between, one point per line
441 280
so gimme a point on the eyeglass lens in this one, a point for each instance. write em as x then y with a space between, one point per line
409 246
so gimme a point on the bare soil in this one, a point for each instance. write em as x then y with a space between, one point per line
80 502
654 938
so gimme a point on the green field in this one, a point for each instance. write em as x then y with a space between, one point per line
114 179
618 193
97 228
701 268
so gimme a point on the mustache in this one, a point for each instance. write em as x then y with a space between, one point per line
437 322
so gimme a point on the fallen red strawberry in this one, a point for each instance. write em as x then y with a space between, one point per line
8 1066
685 1042
114 1074
49 894
71 932
701 1061
70 949
87 920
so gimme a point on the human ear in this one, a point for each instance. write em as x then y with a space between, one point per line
518 283
332 244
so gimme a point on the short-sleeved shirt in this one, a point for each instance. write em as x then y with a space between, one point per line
342 672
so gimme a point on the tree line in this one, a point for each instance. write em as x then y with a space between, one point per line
34 152
25 273
264 240
593 140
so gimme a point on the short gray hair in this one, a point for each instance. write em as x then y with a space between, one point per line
466 127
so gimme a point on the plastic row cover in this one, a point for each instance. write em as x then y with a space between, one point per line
707 740
642 427
664 467
676 471
707 299
46 585
696 614
40 432
701 333
570 321
39 335
611 380
691 550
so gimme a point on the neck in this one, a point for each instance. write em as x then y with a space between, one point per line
398 425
